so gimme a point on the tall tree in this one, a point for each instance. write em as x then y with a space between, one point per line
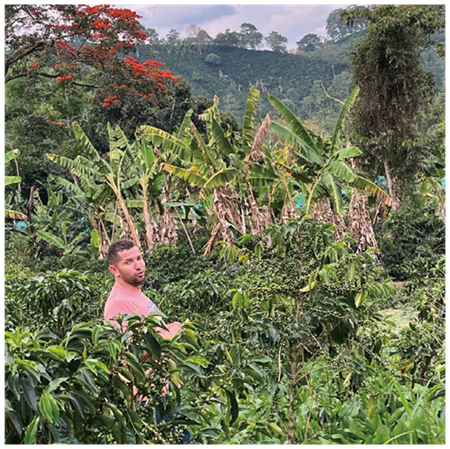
394 86
203 38
80 45
276 42
173 37
338 29
228 39
310 42
152 36
250 36
192 31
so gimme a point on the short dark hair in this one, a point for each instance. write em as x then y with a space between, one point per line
117 247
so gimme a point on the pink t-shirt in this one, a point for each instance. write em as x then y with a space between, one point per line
127 300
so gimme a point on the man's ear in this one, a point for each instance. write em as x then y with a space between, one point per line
113 269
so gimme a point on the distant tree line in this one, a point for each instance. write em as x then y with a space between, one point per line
250 38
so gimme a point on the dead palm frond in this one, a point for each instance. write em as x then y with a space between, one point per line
361 229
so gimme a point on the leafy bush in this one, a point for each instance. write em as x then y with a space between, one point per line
169 264
73 262
389 411
410 243
213 59
421 344
56 301
207 292
20 256
88 387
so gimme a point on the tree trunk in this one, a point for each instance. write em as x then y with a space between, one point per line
148 226
107 242
392 185
185 230
100 237
169 234
211 241
289 209
360 223
256 214
323 213
129 220
30 207
113 232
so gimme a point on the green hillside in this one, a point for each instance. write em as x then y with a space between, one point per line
296 79
284 75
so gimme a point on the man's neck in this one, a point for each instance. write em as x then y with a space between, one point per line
124 284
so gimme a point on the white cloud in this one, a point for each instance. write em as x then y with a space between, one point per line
292 21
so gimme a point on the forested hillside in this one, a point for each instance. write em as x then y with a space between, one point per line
287 76
295 78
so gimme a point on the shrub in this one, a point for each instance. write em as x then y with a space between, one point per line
410 243
168 264
207 293
54 302
213 59
87 388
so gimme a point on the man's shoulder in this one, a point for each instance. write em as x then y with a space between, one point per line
122 294
117 295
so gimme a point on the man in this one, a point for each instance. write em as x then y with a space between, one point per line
128 267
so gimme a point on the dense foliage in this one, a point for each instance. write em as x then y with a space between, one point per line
312 309
410 244
297 78
247 321
394 85
59 41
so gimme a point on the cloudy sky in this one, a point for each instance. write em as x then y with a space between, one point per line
292 21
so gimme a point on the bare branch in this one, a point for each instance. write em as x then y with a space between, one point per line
17 57
329 96
84 85
13 77
48 75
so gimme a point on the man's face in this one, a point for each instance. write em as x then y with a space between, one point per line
130 267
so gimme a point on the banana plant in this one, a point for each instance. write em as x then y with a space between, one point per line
221 169
95 170
276 181
89 201
202 165
324 159
9 213
153 180
145 169
431 189
62 243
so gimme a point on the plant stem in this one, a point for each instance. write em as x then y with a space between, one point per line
185 230
292 395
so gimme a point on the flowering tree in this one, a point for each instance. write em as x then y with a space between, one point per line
84 46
